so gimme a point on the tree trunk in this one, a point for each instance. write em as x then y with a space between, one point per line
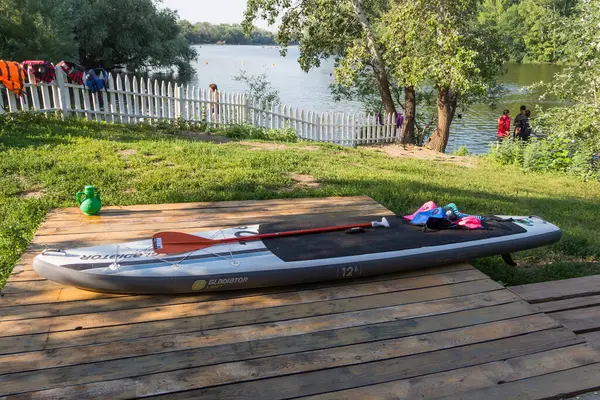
383 82
446 103
410 111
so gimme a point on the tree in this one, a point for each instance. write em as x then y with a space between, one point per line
36 29
133 33
440 41
204 33
574 131
342 29
533 29
259 88
96 33
377 61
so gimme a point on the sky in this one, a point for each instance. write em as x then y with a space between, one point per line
213 11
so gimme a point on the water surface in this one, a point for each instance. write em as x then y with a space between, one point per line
310 91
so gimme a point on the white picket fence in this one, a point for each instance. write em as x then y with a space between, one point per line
136 100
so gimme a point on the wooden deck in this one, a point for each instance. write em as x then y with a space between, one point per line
575 303
446 332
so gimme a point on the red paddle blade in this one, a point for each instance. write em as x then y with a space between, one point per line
177 242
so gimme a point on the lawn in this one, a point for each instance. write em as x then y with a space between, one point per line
44 162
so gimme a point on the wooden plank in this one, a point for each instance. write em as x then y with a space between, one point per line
19 287
593 338
551 386
110 210
569 304
139 218
265 342
23 275
209 219
198 215
24 265
266 378
201 218
60 294
472 378
224 373
88 305
120 212
186 332
72 239
263 298
558 290
389 293
31 287
70 294
223 347
580 320
412 366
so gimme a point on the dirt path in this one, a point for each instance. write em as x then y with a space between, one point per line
204 137
276 146
422 153
392 150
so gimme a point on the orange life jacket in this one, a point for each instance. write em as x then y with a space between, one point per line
12 76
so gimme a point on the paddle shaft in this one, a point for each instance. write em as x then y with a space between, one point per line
281 234
178 242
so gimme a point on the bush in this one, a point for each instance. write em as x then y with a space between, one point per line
281 135
462 151
260 133
536 156
509 151
549 155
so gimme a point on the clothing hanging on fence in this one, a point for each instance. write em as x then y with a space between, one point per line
96 79
12 77
42 71
75 72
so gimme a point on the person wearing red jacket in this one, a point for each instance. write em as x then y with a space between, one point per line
504 126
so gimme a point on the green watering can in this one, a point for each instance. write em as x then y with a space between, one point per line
89 200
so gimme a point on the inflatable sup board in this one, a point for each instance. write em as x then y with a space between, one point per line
134 267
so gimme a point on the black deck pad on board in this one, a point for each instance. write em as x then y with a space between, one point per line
401 235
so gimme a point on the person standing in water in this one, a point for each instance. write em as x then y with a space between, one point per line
214 101
523 130
522 115
504 126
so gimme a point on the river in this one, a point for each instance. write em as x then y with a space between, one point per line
310 91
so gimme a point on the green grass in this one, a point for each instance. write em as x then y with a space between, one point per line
148 165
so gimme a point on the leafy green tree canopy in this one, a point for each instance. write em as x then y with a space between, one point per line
534 30
325 29
207 33
441 43
36 29
97 33
134 33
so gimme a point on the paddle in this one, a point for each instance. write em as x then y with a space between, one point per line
177 242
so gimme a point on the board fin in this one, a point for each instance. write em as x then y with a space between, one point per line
509 260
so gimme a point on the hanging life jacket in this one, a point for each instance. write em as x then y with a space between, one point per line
42 71
12 77
75 72
96 79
